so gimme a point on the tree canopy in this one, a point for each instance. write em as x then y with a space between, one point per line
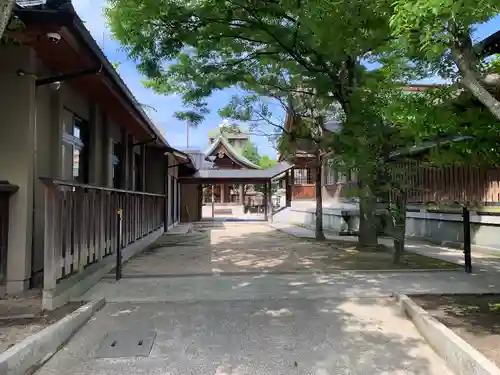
351 56
251 153
266 162
438 33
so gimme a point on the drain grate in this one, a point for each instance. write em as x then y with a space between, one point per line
126 343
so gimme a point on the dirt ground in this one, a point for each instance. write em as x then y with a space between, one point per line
475 318
257 247
21 316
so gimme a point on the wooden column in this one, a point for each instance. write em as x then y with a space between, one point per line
143 167
269 202
223 193
242 194
51 245
125 169
288 189
95 147
213 201
107 153
266 197
131 164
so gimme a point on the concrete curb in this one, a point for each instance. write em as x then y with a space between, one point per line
27 356
277 273
461 357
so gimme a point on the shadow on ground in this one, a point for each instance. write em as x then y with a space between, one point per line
476 318
279 336
232 247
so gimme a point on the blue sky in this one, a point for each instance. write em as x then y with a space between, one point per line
165 106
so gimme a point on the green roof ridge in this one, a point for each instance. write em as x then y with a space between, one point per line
232 151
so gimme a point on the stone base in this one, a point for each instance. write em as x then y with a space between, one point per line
17 286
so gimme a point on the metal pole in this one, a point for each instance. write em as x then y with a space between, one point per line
118 244
213 201
467 244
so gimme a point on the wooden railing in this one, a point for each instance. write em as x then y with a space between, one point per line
81 224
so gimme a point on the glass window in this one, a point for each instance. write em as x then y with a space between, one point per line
75 155
302 176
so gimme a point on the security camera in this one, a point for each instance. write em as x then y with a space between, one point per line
54 37
55 85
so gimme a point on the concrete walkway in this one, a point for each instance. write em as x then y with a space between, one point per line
254 337
481 261
265 323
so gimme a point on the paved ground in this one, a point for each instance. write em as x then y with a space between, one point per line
481 261
253 247
259 337
340 322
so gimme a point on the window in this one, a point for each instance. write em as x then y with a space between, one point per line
75 149
302 176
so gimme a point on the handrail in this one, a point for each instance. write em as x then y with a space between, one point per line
57 182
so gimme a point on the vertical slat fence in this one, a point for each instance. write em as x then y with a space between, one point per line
81 225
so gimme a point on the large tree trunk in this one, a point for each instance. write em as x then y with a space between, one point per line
484 96
398 221
5 13
466 61
367 234
319 199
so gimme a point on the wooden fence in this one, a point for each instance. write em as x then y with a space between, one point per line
81 225
451 184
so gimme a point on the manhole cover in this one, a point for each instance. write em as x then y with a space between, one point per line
128 343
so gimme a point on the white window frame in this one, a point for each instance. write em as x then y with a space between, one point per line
74 143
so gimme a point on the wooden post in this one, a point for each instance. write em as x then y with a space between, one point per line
242 195
143 167
270 202
51 255
467 240
266 197
118 267
288 189
213 201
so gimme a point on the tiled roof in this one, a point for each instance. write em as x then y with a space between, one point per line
244 174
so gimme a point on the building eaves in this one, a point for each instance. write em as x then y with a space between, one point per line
240 158
69 18
243 174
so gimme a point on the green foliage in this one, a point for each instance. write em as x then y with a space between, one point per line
266 162
429 29
251 153
214 44
448 112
